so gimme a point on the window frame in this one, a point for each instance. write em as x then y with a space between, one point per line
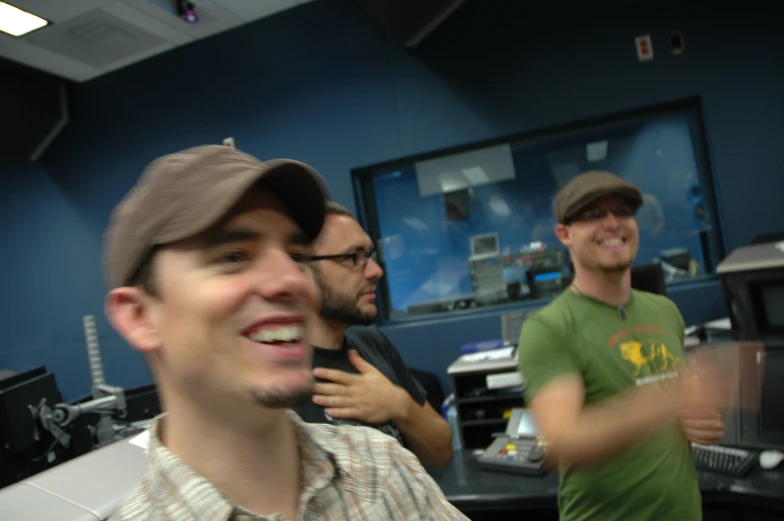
691 108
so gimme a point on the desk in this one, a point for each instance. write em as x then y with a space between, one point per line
482 494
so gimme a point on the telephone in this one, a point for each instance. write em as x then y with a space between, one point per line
520 450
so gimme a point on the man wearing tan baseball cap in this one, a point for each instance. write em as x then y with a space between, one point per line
604 367
207 259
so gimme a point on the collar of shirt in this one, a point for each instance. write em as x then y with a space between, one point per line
326 456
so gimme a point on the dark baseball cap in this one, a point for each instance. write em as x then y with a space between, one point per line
182 194
588 187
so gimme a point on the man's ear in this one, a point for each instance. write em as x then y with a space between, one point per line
130 311
564 235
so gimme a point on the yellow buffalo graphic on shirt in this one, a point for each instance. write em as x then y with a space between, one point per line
650 359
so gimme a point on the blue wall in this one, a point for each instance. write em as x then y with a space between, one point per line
51 279
320 83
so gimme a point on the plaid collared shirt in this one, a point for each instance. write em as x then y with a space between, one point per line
349 473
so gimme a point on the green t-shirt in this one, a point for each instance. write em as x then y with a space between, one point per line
654 479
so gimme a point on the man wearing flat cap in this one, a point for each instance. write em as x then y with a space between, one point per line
605 372
207 259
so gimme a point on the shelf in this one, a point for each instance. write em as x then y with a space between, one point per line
490 398
479 423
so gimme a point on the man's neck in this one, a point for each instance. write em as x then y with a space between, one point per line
237 456
327 334
612 288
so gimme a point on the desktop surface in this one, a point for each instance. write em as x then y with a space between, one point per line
471 488
24 501
112 472
89 487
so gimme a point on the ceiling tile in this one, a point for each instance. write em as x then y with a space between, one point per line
147 22
90 37
250 10
59 11
213 18
96 38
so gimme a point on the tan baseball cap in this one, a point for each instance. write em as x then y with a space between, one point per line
588 187
182 194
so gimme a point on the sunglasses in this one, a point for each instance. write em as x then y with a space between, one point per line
597 214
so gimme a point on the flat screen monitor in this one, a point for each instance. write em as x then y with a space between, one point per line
13 380
546 281
771 415
762 396
768 302
485 245
755 300
650 278
25 448
522 424
458 204
511 325
142 403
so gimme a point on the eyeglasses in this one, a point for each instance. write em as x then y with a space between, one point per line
360 257
597 214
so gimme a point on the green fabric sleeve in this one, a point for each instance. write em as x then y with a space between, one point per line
542 355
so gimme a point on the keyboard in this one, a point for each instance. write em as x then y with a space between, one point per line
723 460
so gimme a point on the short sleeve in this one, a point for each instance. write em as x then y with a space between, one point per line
406 379
542 355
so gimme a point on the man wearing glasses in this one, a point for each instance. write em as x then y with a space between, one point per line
362 380
606 372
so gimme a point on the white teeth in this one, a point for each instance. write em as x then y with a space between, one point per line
279 334
612 242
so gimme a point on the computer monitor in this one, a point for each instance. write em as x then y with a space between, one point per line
458 204
25 447
546 281
485 245
752 280
756 305
142 403
512 324
14 379
522 424
650 278
762 396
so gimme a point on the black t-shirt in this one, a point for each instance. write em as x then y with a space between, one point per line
378 351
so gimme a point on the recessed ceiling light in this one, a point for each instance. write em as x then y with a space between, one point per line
17 22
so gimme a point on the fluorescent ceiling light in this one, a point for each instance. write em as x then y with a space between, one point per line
476 175
16 22
596 151
451 181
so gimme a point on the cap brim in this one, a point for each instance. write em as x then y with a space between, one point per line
632 195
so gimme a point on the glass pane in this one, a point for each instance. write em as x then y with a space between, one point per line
476 229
